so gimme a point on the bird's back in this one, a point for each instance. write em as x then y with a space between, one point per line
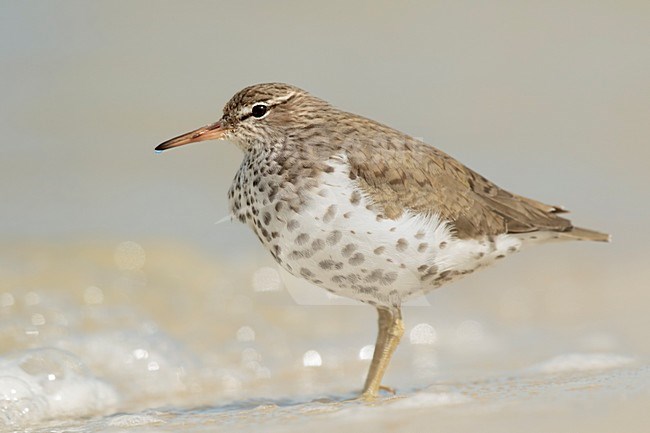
400 173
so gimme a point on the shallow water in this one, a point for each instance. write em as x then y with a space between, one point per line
122 336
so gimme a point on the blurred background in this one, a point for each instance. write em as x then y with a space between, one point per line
117 286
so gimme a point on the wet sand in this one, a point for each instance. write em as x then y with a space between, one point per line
156 336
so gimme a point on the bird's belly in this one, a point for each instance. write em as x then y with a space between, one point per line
337 241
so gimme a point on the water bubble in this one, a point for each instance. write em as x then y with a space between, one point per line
245 333
367 351
311 358
140 354
63 383
17 401
43 362
38 319
423 333
129 256
266 279
31 331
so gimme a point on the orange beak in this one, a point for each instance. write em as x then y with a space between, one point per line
215 131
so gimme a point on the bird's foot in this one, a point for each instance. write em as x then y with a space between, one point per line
370 396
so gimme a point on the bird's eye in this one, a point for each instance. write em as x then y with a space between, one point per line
259 110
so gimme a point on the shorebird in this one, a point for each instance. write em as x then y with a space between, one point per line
365 211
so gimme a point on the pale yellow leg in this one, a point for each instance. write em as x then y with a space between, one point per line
391 329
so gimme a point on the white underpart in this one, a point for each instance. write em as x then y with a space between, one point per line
408 244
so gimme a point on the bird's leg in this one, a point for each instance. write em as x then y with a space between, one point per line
391 329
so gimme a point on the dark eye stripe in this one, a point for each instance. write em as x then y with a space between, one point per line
245 116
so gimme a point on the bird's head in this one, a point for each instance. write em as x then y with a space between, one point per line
259 115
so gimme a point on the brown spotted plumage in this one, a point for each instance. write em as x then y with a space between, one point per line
363 210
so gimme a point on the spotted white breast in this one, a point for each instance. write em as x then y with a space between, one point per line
338 240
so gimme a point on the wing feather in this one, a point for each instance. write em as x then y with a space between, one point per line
424 179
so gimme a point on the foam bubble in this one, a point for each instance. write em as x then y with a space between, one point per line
423 333
38 319
311 358
46 383
18 404
150 361
366 352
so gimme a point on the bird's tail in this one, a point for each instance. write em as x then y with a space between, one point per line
581 234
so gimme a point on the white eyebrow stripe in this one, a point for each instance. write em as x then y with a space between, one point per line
270 102
280 99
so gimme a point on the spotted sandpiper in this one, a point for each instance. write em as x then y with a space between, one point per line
365 211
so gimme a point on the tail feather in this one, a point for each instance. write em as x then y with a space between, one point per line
581 234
